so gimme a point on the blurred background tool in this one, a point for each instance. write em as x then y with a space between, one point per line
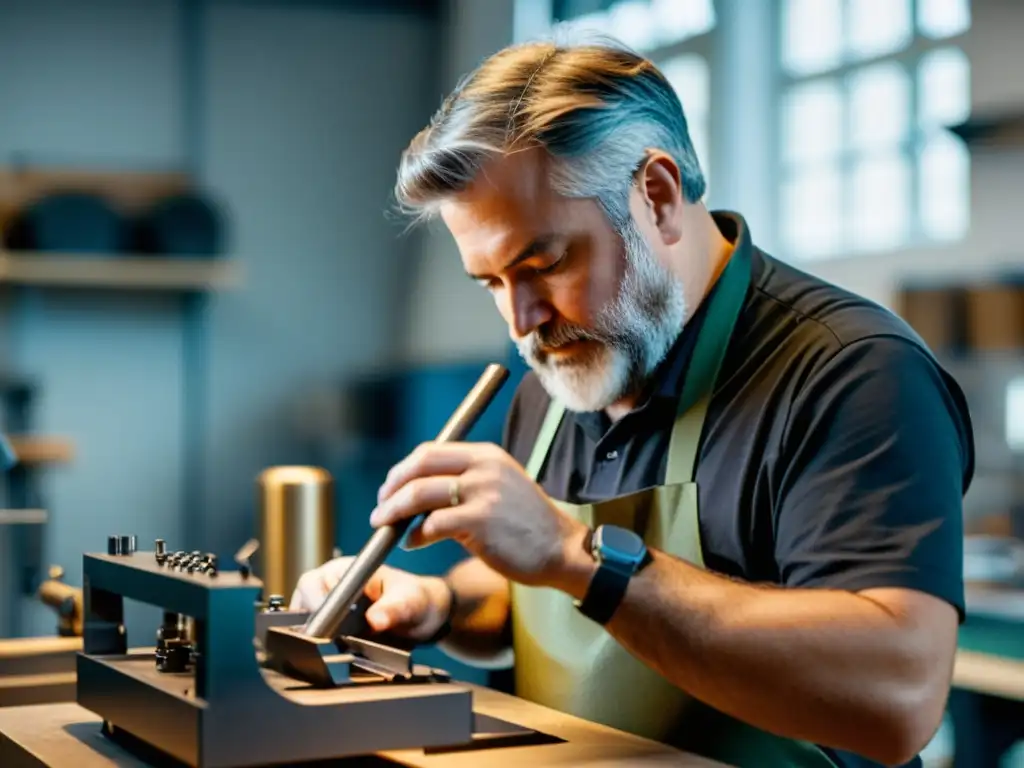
295 524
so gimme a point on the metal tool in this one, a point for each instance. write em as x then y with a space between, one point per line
205 698
343 600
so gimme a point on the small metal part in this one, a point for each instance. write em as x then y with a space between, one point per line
275 603
174 656
244 555
161 551
128 545
113 545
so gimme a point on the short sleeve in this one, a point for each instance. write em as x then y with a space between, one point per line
876 458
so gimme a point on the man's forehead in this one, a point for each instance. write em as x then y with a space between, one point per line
509 204
517 185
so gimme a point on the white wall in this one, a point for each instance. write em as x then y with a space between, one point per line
993 46
450 318
308 109
304 109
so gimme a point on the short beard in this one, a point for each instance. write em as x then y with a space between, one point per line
630 337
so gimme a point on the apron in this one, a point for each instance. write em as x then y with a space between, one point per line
565 661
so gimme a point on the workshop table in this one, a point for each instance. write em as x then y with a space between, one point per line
986 704
65 735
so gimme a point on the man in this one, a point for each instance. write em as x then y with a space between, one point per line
727 510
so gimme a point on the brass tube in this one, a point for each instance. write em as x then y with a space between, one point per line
295 525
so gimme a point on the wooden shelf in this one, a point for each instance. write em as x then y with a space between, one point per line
23 516
41 450
121 272
130 190
993 675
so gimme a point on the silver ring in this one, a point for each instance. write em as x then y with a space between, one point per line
453 492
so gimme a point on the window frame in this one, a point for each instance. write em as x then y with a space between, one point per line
909 58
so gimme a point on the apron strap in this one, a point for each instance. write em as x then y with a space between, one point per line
683 445
546 436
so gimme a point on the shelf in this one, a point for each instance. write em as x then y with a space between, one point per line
989 674
128 189
23 516
42 450
121 272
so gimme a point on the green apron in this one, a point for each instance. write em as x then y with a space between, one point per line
568 662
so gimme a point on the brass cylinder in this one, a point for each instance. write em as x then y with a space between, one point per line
295 525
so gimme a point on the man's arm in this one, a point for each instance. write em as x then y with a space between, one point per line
479 617
856 651
864 672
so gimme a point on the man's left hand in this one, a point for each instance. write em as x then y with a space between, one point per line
499 513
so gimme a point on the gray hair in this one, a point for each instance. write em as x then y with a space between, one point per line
595 106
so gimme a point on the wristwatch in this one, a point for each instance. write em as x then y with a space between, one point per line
620 554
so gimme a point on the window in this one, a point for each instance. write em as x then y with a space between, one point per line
866 162
674 34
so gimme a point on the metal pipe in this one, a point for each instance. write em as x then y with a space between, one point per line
295 525
326 620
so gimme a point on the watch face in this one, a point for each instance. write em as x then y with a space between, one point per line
623 543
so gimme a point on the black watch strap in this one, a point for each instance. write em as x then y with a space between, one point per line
607 587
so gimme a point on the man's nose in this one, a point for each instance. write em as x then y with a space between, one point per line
527 310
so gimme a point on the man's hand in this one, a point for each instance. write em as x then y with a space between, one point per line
403 603
502 516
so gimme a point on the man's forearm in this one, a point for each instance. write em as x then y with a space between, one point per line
824 666
481 608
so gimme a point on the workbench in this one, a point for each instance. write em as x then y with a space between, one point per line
986 704
61 735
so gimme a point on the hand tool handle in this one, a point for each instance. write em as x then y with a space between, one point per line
326 620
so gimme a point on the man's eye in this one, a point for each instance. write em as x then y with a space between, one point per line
550 267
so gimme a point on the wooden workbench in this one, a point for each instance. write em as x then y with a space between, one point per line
60 735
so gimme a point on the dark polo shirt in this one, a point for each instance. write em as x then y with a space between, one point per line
836 451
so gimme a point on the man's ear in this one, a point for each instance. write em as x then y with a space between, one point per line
659 182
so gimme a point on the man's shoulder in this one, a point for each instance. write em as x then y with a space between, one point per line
819 317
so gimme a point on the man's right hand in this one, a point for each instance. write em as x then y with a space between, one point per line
402 603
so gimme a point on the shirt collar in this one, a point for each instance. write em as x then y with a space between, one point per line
670 375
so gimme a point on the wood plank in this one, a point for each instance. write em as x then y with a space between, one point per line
37 449
993 675
23 517
27 690
66 734
19 647
129 190
116 271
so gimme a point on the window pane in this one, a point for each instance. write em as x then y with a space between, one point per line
878 27
631 22
689 75
945 187
879 106
944 88
880 208
812 224
812 122
677 20
943 18
812 39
